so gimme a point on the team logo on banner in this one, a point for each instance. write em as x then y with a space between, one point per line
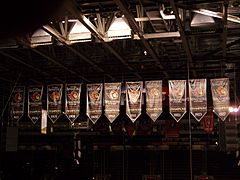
54 101
72 101
220 96
17 103
198 98
177 98
112 95
153 99
134 99
94 101
35 102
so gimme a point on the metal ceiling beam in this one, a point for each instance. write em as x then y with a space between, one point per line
228 45
224 34
60 38
25 64
159 35
72 8
183 37
134 26
56 34
43 54
219 15
59 64
22 62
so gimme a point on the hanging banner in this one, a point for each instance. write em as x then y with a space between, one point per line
94 101
72 101
134 99
54 101
153 99
177 98
198 97
35 102
112 95
17 103
220 97
208 122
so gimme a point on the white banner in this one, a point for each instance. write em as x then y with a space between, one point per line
198 97
17 103
72 101
177 98
220 96
112 95
35 102
94 101
54 101
134 99
153 99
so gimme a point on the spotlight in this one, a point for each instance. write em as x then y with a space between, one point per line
233 109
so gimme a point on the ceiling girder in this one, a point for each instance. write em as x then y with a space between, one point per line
47 56
25 64
85 21
134 26
183 37
58 36
59 64
228 45
219 15
224 34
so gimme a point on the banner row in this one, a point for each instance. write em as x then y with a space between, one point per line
109 94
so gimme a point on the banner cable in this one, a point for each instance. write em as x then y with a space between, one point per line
189 125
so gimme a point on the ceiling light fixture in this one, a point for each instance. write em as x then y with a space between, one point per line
202 20
79 33
40 37
167 17
119 29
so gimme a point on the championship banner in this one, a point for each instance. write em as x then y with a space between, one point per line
220 97
112 95
94 101
35 102
208 122
134 99
72 101
54 101
177 98
153 99
17 103
198 97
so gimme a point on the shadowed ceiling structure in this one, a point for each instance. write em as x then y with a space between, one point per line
156 40
167 41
